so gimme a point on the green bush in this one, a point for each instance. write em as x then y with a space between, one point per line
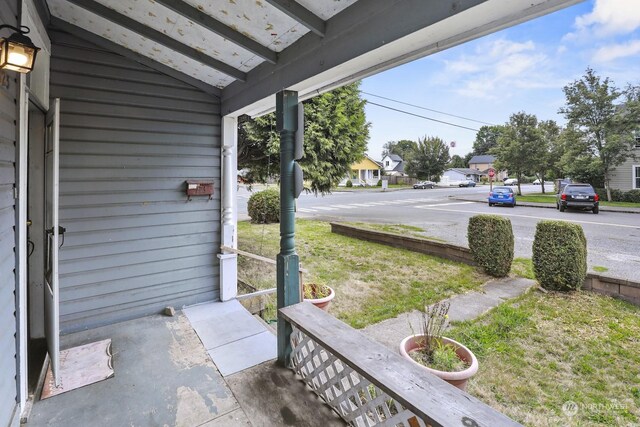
349 183
631 196
264 207
559 255
379 183
491 243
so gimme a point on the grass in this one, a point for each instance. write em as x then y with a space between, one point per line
600 269
551 198
541 350
523 267
405 230
372 282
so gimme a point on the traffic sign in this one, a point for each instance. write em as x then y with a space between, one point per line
492 172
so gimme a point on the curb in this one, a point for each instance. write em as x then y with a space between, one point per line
546 206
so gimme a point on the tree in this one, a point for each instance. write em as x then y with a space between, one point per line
486 139
429 160
550 131
606 128
575 158
457 162
335 136
519 146
403 148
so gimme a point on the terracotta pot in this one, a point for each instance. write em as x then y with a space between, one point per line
322 303
458 379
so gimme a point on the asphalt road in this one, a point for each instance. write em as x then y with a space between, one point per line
613 238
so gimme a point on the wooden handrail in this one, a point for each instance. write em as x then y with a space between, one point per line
224 248
429 398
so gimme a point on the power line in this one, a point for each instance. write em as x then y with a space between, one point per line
428 109
422 117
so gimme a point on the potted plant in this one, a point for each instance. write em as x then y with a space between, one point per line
318 295
443 357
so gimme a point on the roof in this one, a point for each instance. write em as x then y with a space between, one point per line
485 158
399 167
394 157
245 51
366 163
467 171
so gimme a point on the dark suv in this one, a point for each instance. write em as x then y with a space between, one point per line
578 196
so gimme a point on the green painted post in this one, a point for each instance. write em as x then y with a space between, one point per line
287 260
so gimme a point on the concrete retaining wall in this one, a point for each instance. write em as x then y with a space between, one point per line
429 247
619 288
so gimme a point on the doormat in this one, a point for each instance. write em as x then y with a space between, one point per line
80 366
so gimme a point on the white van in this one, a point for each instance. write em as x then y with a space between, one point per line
511 181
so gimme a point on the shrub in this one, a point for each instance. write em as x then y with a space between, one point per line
349 183
631 196
379 183
491 243
264 207
559 255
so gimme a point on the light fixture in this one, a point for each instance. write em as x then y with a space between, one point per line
17 52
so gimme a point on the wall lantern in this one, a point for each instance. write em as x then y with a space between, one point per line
17 52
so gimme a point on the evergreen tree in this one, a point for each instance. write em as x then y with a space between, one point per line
335 136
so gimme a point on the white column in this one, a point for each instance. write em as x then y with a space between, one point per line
229 209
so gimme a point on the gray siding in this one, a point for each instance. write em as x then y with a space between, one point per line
622 176
8 327
130 137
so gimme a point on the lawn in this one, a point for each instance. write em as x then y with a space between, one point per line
540 351
551 198
372 282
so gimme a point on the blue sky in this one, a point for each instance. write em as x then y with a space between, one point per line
522 68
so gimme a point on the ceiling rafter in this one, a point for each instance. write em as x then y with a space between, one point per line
212 24
100 41
159 37
301 14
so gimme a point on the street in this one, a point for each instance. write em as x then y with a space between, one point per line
612 237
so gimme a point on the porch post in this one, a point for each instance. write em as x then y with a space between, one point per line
229 217
288 265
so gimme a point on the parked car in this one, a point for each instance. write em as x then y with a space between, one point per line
537 182
424 184
502 196
578 196
468 183
511 181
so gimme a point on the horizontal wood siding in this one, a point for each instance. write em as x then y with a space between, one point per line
8 326
622 175
130 137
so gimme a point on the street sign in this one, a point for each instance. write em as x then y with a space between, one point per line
492 172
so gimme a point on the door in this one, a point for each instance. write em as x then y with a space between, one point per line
51 227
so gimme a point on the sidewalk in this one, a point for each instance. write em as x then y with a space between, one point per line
483 199
463 307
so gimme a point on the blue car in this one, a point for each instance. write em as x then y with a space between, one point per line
502 196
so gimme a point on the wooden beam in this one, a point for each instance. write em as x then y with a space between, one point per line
301 14
59 24
210 23
159 37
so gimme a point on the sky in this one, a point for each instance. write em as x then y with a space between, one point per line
522 68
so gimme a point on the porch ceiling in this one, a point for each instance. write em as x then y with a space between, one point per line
245 50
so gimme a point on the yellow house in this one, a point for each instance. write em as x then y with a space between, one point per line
365 172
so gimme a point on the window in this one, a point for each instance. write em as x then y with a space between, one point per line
638 140
386 163
636 176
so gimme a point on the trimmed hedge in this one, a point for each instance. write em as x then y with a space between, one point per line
560 255
491 243
631 196
349 184
264 207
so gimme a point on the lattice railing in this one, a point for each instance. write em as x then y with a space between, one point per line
357 400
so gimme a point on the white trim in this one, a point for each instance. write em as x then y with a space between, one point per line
21 239
634 177
229 209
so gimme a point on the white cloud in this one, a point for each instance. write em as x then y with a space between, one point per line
495 68
609 17
616 51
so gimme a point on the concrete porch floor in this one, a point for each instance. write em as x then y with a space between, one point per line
164 377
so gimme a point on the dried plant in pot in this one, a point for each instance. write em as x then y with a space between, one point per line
443 357
318 295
